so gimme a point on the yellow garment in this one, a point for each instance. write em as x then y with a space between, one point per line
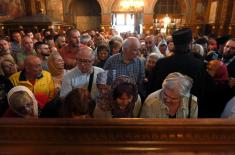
43 84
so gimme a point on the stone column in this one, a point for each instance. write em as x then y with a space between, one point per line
105 22
148 23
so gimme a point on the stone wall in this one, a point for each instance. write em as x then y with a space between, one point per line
54 9
88 22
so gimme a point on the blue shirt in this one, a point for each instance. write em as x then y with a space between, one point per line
116 67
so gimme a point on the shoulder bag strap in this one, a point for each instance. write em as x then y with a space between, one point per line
189 105
90 81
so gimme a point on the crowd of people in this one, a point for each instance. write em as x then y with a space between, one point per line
99 75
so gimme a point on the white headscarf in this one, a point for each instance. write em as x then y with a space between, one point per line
28 91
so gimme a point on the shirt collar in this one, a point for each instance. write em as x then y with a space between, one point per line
122 59
23 77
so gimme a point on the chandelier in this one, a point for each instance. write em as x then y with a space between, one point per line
132 5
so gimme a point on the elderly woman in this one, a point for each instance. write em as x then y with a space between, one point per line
217 91
22 103
124 103
173 100
56 68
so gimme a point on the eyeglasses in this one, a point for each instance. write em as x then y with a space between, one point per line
174 99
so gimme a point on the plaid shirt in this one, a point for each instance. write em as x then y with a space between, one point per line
116 67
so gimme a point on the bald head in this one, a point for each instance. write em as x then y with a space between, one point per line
33 67
150 42
130 48
130 41
31 59
86 51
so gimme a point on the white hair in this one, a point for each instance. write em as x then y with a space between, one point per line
179 83
84 38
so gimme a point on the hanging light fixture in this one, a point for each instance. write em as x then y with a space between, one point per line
132 5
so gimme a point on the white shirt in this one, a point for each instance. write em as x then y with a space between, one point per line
76 79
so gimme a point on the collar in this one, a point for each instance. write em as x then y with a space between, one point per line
122 59
23 77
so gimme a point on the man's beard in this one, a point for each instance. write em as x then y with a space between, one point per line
228 56
45 54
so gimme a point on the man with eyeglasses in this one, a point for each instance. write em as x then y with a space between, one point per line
82 76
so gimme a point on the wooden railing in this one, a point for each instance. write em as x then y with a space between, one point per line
117 136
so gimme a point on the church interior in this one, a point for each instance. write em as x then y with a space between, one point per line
142 16
124 136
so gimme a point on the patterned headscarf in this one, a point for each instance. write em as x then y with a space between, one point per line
128 111
220 69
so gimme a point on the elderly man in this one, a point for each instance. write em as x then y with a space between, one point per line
173 100
151 47
37 80
82 76
126 63
69 52
87 40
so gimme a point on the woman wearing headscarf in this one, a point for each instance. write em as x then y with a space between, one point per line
125 101
218 91
22 103
173 100
56 68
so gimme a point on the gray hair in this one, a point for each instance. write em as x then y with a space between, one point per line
117 38
179 83
153 55
197 48
84 38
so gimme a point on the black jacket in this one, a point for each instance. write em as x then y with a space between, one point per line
184 63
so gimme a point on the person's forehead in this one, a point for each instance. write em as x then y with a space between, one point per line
2 41
86 54
149 38
231 42
27 39
75 33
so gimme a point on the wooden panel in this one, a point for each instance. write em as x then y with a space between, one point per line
117 136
